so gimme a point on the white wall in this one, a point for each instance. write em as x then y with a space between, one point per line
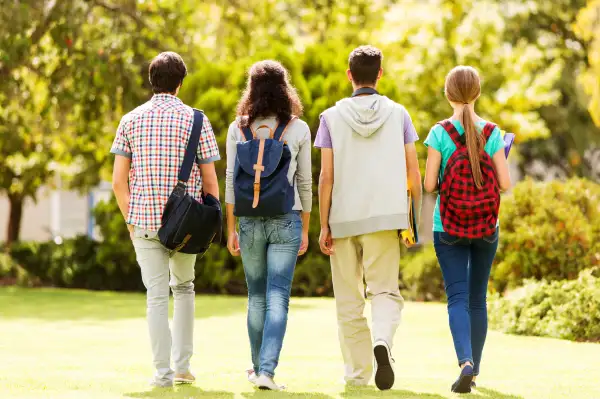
68 212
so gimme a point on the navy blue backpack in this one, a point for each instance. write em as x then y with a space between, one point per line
260 182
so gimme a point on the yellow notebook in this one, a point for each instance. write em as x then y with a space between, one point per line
411 234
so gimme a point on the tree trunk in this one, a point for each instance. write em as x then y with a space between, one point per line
14 218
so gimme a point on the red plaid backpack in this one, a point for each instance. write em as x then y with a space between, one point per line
467 211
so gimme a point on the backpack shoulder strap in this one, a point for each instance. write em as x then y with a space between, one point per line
488 129
247 132
282 128
192 147
452 132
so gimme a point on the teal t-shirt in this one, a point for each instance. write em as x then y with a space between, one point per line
440 140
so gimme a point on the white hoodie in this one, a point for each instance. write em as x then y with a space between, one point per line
369 189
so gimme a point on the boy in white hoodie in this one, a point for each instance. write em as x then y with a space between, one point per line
367 152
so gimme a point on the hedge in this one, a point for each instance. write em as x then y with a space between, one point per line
420 275
547 231
567 309
110 265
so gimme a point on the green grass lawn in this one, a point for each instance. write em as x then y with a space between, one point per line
78 344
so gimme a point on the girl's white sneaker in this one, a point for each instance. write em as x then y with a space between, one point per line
265 382
252 377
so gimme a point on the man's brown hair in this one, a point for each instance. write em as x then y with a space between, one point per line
166 72
365 63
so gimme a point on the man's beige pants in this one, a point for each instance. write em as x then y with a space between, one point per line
375 259
155 265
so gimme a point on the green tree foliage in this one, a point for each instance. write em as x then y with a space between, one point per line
588 29
424 41
421 43
68 70
548 28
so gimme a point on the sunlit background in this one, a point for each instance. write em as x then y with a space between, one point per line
70 69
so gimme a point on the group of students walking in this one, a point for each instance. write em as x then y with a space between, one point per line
368 162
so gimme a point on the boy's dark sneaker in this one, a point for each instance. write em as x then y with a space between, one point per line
384 371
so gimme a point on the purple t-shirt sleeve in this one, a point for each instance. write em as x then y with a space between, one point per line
410 134
323 139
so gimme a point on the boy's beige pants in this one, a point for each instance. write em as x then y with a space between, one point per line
375 259
159 272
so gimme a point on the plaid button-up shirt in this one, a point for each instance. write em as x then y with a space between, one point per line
155 136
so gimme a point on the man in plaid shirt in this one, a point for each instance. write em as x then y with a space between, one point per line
149 148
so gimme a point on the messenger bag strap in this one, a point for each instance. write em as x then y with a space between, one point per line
191 150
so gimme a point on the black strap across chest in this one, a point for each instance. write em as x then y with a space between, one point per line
191 151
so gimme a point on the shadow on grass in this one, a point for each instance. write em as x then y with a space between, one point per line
55 304
492 394
62 304
372 392
183 392
283 394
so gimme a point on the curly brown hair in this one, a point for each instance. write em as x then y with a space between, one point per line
268 93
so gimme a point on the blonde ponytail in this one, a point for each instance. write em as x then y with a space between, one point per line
463 87
475 144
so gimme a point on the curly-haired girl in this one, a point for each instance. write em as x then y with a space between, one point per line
270 245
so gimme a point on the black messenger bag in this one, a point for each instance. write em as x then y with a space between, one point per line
188 226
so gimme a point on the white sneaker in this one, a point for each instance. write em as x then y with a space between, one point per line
265 382
252 377
384 370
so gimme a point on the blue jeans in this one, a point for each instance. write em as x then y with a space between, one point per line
269 247
466 265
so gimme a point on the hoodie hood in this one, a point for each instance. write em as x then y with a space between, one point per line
365 114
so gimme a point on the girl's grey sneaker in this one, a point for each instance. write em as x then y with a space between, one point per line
265 382
384 370
184 378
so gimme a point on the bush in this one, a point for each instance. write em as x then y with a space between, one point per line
420 275
567 309
110 264
75 264
549 231
12 273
